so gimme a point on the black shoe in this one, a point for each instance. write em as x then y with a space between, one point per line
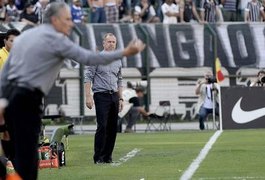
96 159
104 162
108 161
99 162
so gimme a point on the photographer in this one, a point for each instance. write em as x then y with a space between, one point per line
260 80
208 97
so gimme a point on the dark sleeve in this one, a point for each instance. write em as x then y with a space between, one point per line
35 18
22 15
135 101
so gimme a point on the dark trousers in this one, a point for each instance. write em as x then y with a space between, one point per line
107 109
98 15
230 16
203 113
132 117
23 120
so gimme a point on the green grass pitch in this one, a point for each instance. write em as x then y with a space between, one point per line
166 155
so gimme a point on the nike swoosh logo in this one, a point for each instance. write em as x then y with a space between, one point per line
241 117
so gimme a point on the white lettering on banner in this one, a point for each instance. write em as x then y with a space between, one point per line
259 39
180 38
197 32
224 38
183 45
169 50
242 44
120 42
91 39
153 36
199 43
137 56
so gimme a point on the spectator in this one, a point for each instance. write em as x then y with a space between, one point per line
241 9
28 15
77 12
39 9
124 16
136 110
254 11
3 14
12 11
157 6
210 11
136 18
129 4
98 14
189 12
147 12
11 34
170 12
230 9
208 98
107 88
112 12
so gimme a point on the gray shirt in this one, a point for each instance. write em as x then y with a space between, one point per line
37 57
104 77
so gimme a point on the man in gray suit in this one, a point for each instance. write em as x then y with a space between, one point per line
31 69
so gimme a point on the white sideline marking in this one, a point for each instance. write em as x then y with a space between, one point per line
229 178
125 158
196 162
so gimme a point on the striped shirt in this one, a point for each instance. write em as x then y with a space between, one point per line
230 5
104 77
209 8
254 9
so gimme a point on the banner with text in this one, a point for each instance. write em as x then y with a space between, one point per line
182 45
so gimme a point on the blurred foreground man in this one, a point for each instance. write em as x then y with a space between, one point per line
30 71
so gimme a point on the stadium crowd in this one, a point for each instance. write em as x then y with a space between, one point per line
137 11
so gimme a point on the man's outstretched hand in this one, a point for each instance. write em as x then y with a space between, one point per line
134 47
